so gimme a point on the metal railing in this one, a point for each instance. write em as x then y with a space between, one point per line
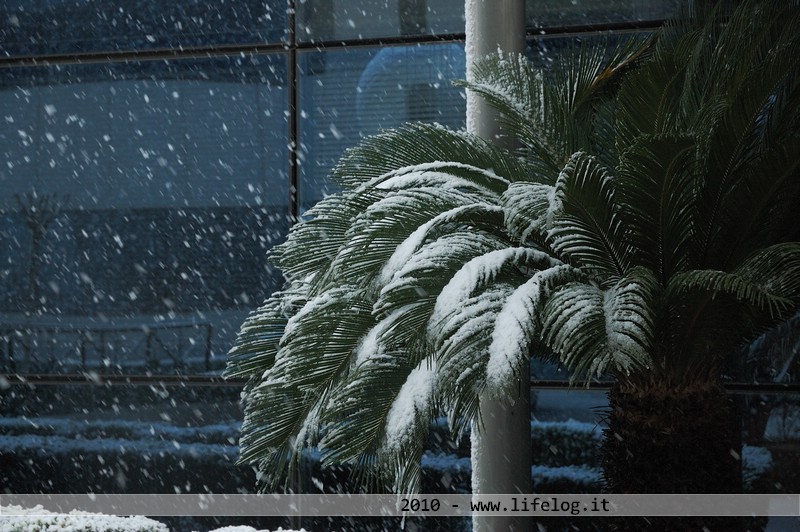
92 348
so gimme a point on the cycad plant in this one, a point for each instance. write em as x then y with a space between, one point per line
646 228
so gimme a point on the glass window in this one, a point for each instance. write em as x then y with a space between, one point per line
139 201
550 13
351 93
331 20
78 26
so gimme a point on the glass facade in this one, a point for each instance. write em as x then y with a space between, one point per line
50 27
347 94
154 152
139 194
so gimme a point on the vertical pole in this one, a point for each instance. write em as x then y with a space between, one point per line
209 328
492 26
294 140
294 173
501 439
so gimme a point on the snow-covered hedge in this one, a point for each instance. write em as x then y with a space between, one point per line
783 423
59 455
565 443
222 434
40 520
113 455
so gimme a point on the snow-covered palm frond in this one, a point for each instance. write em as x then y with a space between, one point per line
318 341
526 206
381 417
464 316
375 235
476 215
448 175
324 230
462 344
574 324
597 331
283 406
416 144
415 286
516 328
478 273
257 342
378 418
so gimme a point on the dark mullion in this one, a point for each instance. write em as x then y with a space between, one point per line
93 379
294 140
124 56
262 48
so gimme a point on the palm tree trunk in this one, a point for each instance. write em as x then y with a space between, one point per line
662 439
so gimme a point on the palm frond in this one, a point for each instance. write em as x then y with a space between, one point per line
375 235
648 99
526 206
714 312
477 217
734 285
464 314
315 349
383 410
573 322
461 342
415 287
587 229
324 230
594 330
416 144
554 114
767 60
516 327
656 184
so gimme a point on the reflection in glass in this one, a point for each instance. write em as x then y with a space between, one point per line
138 203
348 94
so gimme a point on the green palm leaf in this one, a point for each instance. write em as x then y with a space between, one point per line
415 144
656 183
587 229
527 210
595 330
516 328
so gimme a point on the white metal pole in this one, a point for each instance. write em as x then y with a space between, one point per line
501 443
